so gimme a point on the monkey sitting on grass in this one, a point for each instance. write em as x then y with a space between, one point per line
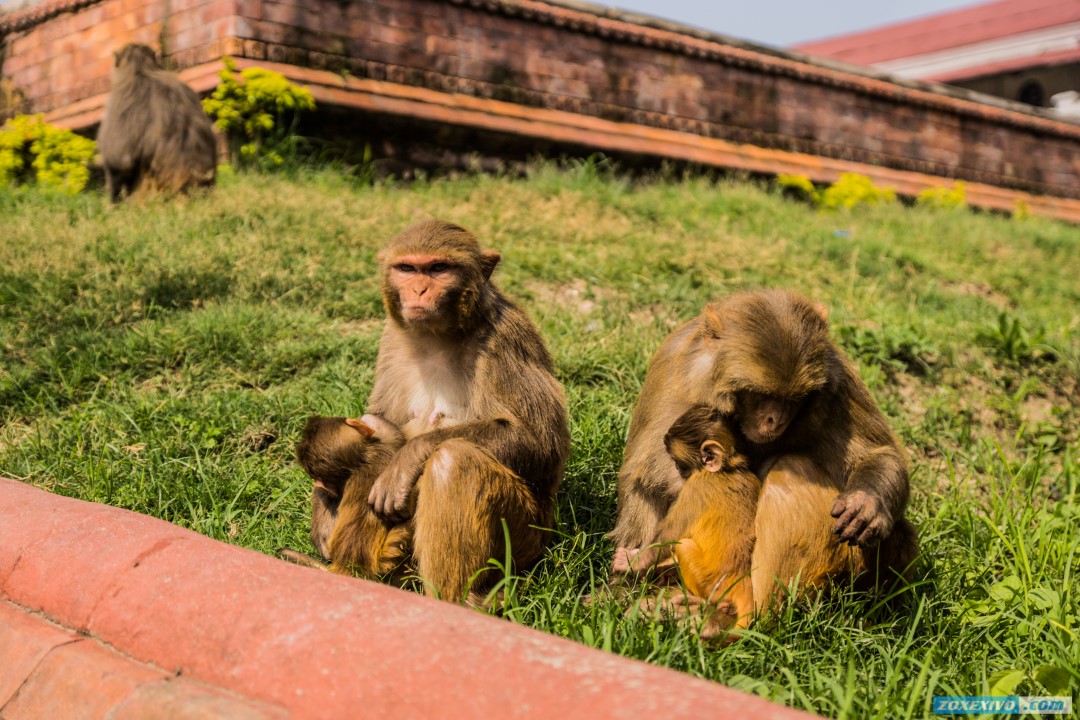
155 134
834 478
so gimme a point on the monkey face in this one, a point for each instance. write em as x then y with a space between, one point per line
764 418
425 287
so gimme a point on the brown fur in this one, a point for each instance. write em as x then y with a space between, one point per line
708 533
155 135
765 360
344 457
468 379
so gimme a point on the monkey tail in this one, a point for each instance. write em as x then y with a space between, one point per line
299 558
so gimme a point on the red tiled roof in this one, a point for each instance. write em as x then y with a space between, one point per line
946 30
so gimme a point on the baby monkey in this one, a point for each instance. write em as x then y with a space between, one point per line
344 456
708 534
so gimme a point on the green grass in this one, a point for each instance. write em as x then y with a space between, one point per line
163 358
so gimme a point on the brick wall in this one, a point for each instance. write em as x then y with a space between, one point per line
58 53
630 72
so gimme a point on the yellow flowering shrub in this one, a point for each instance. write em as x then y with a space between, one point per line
946 198
33 150
853 190
797 186
258 109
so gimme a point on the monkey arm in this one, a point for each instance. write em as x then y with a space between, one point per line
873 499
389 496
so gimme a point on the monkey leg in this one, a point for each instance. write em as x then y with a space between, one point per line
702 576
463 496
793 526
361 543
118 182
893 559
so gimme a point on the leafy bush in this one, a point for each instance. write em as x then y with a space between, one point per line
945 198
852 190
799 187
31 149
1021 211
258 111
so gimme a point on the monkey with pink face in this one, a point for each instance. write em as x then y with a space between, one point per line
834 482
465 378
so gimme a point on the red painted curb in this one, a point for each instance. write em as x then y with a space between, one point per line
317 644
50 672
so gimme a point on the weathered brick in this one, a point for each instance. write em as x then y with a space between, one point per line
249 8
78 680
24 641
180 699
654 76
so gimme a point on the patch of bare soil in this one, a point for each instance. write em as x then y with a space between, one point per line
577 296
911 393
656 312
982 290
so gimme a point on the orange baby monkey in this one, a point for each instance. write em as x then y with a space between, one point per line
709 530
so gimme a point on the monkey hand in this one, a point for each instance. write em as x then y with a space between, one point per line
389 496
861 518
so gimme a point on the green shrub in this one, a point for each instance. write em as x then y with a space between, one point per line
1021 211
799 187
31 149
852 190
258 111
945 198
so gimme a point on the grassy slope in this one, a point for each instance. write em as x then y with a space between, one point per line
163 358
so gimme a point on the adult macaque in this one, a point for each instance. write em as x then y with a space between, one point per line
765 360
344 456
709 529
467 378
155 135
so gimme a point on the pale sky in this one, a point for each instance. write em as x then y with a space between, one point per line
781 23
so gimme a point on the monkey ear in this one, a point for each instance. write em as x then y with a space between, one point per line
712 455
488 260
360 426
822 311
714 321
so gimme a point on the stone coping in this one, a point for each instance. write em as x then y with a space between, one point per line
118 614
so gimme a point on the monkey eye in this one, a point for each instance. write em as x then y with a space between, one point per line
405 268
439 267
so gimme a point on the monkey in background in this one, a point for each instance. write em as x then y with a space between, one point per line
344 456
709 530
812 432
155 134
465 376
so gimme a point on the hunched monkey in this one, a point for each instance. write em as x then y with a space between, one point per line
811 430
155 134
